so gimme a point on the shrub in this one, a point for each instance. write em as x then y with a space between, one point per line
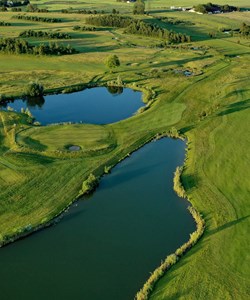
107 169
89 184
112 61
177 183
34 89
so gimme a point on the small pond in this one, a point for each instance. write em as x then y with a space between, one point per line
105 246
99 105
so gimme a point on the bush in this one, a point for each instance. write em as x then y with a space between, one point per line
177 183
89 184
112 61
34 89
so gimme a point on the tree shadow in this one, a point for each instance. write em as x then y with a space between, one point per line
186 129
89 49
81 35
34 144
227 225
235 107
190 181
158 11
192 29
19 24
176 270
181 62
235 93
34 158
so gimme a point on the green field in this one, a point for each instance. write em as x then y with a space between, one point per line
211 108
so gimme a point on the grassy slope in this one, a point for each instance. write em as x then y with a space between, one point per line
216 178
216 174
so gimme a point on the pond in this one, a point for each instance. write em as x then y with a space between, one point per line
107 244
99 105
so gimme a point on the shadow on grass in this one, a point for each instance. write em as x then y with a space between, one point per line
158 11
195 32
23 24
175 271
82 35
97 49
235 107
227 225
35 144
34 158
235 93
190 181
186 129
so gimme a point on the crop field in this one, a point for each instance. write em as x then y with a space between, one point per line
210 107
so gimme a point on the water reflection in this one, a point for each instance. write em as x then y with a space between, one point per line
100 105
35 102
115 90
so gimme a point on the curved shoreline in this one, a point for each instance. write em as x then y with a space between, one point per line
148 287
170 260
98 172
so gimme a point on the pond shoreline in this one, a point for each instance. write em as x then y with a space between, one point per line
168 262
59 215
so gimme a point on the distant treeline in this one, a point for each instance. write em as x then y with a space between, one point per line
84 28
111 20
16 9
174 21
213 8
13 3
19 46
44 34
37 19
133 26
34 8
152 30
82 11
2 23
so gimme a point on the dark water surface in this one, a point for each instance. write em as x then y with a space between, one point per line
95 105
105 246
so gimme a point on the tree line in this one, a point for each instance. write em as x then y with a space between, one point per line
84 28
212 8
44 34
12 3
34 8
2 23
19 46
133 26
111 20
82 11
152 30
37 19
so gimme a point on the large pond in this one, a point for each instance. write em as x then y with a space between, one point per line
105 246
96 105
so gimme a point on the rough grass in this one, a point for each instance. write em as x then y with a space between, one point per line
216 180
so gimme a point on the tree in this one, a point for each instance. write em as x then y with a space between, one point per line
139 8
34 89
112 62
